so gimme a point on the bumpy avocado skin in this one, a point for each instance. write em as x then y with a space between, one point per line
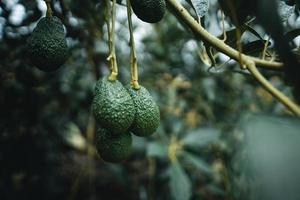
113 148
147 116
112 106
151 11
47 45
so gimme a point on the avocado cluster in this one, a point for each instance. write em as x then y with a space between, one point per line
120 111
47 46
151 11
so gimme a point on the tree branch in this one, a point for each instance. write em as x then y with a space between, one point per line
275 92
249 61
214 41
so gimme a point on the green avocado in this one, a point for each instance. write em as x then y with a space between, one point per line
147 114
112 106
151 11
47 46
113 148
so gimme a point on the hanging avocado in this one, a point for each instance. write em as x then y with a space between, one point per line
112 106
147 114
47 45
151 11
113 148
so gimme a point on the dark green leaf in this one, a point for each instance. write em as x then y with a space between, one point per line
197 162
232 36
201 137
254 48
292 34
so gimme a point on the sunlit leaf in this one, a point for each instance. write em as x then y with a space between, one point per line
73 137
285 11
201 7
253 31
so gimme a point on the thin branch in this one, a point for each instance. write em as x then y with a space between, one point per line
275 92
214 41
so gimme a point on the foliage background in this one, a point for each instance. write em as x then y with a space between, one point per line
46 126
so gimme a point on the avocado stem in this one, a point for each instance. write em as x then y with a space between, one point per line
133 57
49 10
111 15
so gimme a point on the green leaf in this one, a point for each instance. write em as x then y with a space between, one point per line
73 137
285 11
179 183
253 31
216 190
201 137
198 162
232 36
292 34
201 7
255 47
155 149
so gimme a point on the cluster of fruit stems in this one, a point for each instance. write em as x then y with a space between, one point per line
110 18
247 62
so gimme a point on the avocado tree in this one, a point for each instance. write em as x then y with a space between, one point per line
157 86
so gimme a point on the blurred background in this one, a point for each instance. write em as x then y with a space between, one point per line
222 136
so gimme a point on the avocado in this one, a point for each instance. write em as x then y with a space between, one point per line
147 114
113 148
112 106
47 46
151 11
